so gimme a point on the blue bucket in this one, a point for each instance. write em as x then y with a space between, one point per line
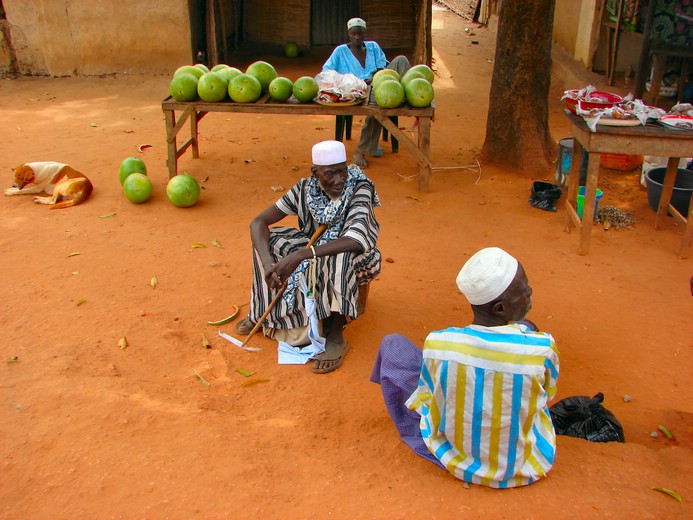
565 159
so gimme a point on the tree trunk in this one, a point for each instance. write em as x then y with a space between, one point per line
517 129
423 51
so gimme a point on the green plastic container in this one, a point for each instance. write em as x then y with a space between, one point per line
581 201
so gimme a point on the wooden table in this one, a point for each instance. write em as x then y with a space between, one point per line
641 140
196 110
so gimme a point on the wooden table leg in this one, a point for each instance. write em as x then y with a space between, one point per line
425 147
420 152
193 134
609 54
659 62
667 191
172 158
688 232
590 202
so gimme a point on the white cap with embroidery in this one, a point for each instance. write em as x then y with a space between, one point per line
356 22
486 275
327 153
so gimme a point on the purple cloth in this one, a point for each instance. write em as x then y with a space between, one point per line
397 370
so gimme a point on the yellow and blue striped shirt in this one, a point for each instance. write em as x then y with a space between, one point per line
483 398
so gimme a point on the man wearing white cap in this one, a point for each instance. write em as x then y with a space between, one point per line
346 257
363 59
475 401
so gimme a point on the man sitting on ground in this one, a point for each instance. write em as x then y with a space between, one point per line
346 256
475 402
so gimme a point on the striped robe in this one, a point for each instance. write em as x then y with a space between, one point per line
483 398
338 276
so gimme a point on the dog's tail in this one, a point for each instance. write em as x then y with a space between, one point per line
80 197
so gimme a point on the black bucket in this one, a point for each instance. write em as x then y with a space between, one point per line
683 187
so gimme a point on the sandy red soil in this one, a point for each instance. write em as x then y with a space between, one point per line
90 430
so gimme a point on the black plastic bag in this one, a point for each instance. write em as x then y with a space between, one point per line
544 195
585 418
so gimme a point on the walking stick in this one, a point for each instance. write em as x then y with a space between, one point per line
317 234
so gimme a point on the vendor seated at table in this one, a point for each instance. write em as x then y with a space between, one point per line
363 59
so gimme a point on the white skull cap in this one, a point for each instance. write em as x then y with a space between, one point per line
356 22
486 275
327 153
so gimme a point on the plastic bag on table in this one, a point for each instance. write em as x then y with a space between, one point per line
340 88
544 195
585 418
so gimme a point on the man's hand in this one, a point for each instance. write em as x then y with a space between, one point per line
272 279
280 272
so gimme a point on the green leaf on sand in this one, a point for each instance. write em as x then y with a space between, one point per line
202 379
665 431
669 492
254 381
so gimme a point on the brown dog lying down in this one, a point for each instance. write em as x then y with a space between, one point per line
64 185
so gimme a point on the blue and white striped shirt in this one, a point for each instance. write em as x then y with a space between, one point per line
483 398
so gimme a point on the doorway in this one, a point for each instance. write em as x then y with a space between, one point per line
328 20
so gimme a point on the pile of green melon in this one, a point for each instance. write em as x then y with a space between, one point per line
416 87
182 191
226 83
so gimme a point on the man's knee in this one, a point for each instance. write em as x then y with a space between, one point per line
395 347
400 64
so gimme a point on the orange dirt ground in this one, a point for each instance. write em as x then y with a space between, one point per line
90 430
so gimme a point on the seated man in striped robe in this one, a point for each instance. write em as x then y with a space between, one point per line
475 402
346 257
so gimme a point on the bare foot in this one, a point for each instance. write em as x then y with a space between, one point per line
360 160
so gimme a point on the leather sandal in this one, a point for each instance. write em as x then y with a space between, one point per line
337 353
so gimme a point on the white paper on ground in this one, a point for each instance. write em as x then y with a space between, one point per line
237 342
289 355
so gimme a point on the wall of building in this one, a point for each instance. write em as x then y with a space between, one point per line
94 37
565 24
578 30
